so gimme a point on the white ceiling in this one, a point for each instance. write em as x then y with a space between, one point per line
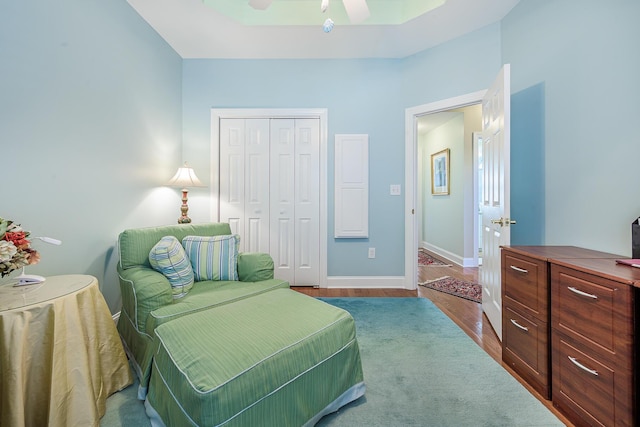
196 30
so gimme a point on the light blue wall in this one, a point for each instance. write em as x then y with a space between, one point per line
442 215
94 106
90 127
361 96
580 62
462 66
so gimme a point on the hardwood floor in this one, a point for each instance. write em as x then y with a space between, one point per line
466 314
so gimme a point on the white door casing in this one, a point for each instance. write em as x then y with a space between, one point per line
495 202
411 173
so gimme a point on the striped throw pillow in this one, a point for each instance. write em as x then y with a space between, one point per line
169 258
213 257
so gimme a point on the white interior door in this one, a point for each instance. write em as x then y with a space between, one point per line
270 191
495 200
282 190
232 174
307 202
244 183
295 208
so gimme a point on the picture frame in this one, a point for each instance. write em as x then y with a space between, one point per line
440 173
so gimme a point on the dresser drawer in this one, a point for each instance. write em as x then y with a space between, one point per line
525 282
598 394
597 312
525 349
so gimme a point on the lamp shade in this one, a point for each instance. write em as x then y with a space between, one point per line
185 177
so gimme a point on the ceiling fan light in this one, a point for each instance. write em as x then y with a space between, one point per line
357 10
328 25
260 4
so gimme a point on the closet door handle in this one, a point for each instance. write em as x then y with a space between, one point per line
518 325
521 270
581 366
581 293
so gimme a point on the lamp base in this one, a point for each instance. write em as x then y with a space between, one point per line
184 219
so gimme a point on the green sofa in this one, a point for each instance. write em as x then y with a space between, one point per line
147 298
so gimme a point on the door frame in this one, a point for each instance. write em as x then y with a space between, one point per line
274 113
411 175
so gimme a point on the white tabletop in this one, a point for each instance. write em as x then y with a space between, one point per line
53 287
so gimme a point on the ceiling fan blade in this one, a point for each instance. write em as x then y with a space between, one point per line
357 10
260 4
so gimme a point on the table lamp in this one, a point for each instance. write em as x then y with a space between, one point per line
185 177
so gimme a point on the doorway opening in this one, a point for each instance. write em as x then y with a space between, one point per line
412 173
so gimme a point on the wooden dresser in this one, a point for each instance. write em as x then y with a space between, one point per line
569 321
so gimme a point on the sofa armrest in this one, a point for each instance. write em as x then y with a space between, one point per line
255 266
143 290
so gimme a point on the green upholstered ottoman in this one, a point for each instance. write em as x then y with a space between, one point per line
277 359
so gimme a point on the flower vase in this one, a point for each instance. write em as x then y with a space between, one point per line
11 278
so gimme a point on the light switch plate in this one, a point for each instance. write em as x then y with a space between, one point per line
394 189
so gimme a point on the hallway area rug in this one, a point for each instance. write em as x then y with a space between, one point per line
457 287
426 260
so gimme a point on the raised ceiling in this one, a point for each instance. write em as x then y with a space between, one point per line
291 29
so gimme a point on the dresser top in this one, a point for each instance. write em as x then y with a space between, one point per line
601 264
546 253
605 268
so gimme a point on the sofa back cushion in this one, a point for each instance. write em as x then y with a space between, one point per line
134 245
213 257
168 257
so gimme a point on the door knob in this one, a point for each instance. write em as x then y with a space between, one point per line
503 221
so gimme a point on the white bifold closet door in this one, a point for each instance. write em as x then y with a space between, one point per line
270 191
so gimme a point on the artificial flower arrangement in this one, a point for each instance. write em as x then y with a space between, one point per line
15 249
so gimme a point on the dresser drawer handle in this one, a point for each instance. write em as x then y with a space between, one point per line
518 325
521 270
581 366
579 292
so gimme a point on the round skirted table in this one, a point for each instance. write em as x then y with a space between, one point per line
60 353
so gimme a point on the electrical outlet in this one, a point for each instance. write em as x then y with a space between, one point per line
372 252
395 190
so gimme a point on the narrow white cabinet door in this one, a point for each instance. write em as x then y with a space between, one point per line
282 191
232 174
295 202
307 201
244 181
256 232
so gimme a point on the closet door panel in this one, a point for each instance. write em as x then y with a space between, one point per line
307 202
282 198
256 233
232 174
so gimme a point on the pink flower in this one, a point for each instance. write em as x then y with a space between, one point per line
19 239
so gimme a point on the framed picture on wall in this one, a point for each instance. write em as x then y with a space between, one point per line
440 172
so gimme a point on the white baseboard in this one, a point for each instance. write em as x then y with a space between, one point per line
366 282
449 256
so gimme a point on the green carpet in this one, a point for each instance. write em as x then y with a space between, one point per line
420 370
